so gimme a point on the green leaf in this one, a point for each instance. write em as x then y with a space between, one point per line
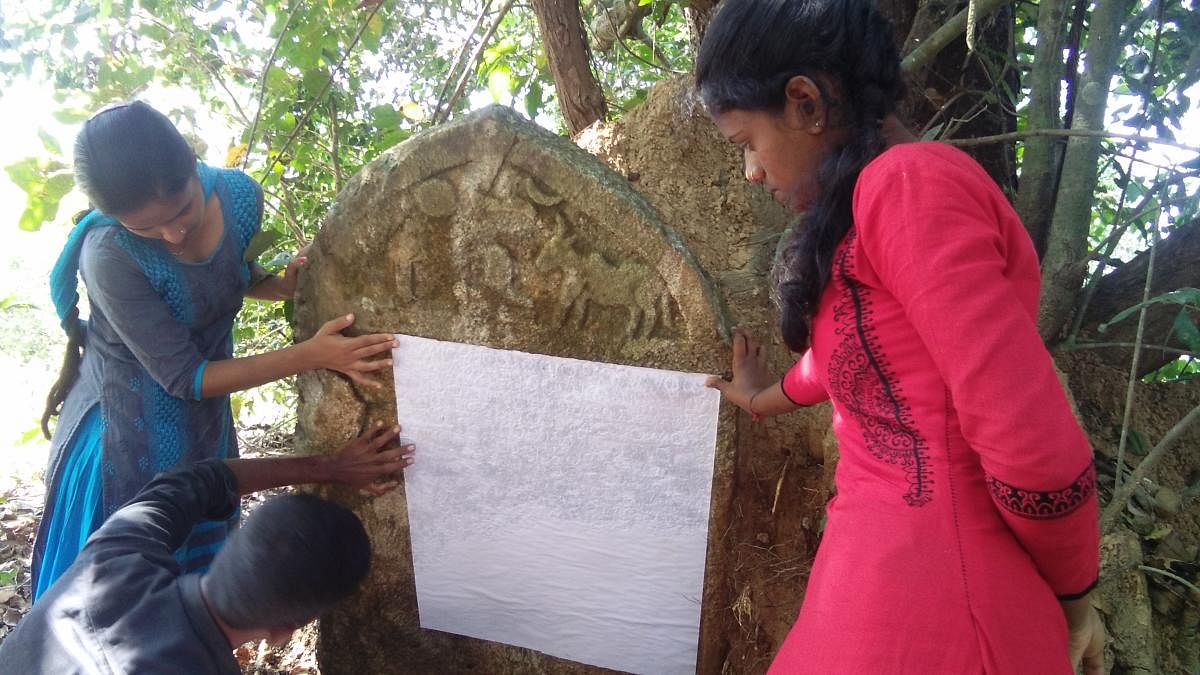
1187 331
32 217
413 111
500 84
533 99
49 142
385 116
25 173
1160 531
278 82
29 436
1137 442
258 245
57 186
1180 296
314 80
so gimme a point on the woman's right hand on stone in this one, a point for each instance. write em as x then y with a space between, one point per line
750 373
350 356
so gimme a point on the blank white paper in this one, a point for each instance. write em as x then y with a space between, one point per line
557 504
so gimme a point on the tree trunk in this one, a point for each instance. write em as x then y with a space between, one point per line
698 13
1040 162
1174 267
1064 264
579 94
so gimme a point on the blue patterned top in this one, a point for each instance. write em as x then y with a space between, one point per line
155 322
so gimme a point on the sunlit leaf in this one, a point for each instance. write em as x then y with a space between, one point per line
500 84
49 142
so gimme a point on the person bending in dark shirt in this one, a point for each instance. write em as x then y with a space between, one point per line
124 605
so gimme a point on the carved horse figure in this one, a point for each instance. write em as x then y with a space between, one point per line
589 278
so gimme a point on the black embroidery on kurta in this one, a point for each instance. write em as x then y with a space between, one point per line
1042 505
861 379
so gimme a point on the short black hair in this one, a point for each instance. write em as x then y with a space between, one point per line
295 557
129 154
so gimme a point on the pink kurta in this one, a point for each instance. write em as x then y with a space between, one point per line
965 488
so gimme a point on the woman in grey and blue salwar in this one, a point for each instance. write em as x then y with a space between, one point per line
146 380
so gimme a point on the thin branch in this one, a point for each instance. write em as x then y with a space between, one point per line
1169 575
317 99
1077 346
262 82
927 50
204 63
333 142
942 110
1137 353
287 214
462 51
621 41
292 220
1093 282
469 70
1135 23
1122 495
1030 133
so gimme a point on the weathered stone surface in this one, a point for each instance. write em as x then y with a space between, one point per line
494 232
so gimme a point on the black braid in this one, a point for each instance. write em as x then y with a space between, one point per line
69 372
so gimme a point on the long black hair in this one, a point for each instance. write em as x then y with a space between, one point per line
751 49
125 156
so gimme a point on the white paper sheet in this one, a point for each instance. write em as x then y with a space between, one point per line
557 504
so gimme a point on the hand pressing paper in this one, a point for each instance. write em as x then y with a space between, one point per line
559 505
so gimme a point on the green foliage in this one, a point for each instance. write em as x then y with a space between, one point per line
1182 296
45 182
1184 328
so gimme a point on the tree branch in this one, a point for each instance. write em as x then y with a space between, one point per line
204 64
1122 495
462 51
1063 266
472 65
1082 133
333 142
262 82
317 99
1173 577
1077 346
1137 356
1039 166
926 51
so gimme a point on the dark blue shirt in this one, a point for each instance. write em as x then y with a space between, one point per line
125 606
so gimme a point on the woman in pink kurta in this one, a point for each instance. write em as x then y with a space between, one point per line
964 535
